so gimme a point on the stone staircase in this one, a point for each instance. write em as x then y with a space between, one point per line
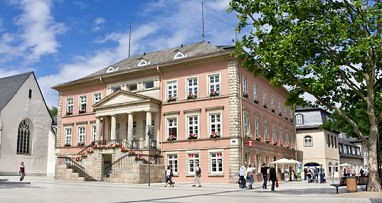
67 174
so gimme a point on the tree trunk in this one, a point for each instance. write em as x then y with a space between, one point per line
374 182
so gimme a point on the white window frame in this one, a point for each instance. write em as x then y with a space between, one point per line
216 124
68 135
69 105
274 135
194 126
94 132
281 136
172 161
272 102
266 130
244 85
279 110
81 134
257 126
143 62
82 103
171 89
264 97
215 158
193 158
172 122
148 82
308 141
192 86
255 95
246 124
214 84
299 119
179 55
97 97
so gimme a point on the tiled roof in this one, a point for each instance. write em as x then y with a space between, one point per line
162 56
9 87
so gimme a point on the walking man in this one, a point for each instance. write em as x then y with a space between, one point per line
242 174
264 172
198 174
22 171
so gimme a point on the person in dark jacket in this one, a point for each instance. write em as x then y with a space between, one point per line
272 177
264 172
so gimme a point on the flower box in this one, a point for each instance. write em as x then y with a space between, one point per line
81 144
67 145
275 143
170 99
69 113
171 138
193 136
89 150
78 158
82 111
258 138
245 95
286 118
265 106
267 140
123 149
256 101
214 93
280 114
273 110
215 135
192 96
291 120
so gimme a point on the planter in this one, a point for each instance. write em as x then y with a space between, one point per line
67 145
245 96
214 93
192 96
256 101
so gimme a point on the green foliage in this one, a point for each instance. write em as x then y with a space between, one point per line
53 111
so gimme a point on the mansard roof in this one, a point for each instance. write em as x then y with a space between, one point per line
9 87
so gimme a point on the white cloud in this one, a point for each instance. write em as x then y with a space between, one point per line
98 24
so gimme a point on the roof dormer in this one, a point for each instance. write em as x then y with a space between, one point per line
111 69
179 55
143 62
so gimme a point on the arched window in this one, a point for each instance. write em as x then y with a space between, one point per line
23 138
143 63
179 55
308 141
299 119
111 69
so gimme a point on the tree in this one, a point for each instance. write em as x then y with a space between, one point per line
330 49
53 111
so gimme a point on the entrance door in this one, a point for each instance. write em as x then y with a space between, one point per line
107 167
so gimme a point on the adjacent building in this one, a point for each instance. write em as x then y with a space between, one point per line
320 147
352 153
26 133
188 105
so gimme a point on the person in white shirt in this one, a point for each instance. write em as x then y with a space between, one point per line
250 170
242 174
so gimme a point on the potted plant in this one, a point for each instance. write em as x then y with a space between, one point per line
171 98
193 136
192 96
214 93
258 138
67 145
215 134
256 101
275 143
267 140
171 137
245 95
81 144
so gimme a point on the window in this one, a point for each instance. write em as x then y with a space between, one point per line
179 55
143 63
149 84
216 162
266 133
279 106
308 141
335 142
94 132
245 86
192 88
264 98
255 96
246 123
214 85
281 135
172 128
69 106
118 131
82 104
193 160
172 90
332 141
273 103
287 138
193 126
274 133
172 161
97 97
114 89
68 136
30 94
285 111
257 126
111 69
81 135
299 119
132 87
215 124
23 138
327 139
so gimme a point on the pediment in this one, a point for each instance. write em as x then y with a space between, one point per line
122 97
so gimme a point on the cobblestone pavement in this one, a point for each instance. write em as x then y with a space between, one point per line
43 189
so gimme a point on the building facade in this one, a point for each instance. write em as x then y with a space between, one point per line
26 133
319 146
351 153
180 107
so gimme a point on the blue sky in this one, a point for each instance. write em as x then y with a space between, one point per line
63 40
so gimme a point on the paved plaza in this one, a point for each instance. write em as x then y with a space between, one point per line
43 189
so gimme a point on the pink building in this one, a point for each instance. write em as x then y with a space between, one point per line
188 105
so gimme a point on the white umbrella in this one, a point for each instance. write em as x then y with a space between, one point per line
345 164
282 161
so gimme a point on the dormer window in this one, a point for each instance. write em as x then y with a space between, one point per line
143 63
111 69
179 55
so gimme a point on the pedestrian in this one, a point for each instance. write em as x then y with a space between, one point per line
305 173
272 177
198 174
361 172
169 176
242 174
250 176
348 171
264 172
316 174
22 171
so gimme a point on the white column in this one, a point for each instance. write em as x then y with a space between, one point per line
148 124
130 121
98 128
113 126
